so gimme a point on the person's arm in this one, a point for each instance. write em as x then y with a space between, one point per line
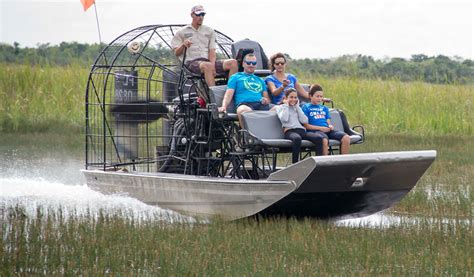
229 94
316 128
266 98
273 89
179 44
283 113
301 91
328 118
331 127
301 116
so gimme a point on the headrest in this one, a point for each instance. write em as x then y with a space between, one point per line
241 53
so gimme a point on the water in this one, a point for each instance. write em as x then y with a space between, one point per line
33 178
52 181
383 220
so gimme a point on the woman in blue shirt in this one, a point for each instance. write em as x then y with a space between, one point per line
279 81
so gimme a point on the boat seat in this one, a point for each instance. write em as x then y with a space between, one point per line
264 129
216 96
263 133
256 49
340 123
304 100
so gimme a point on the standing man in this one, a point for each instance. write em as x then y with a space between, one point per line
199 42
248 90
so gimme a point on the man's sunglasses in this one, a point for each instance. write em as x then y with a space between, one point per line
200 14
280 63
251 63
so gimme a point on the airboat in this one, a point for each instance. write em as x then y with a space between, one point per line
154 133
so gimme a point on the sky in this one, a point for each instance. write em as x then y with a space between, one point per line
301 28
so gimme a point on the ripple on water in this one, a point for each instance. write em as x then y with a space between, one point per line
32 194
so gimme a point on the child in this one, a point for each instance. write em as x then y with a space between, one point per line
292 118
319 121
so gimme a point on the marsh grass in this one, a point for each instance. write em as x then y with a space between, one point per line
51 98
112 244
42 98
395 107
438 242
397 116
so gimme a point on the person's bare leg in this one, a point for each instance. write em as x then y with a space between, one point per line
240 110
345 144
325 147
207 69
231 66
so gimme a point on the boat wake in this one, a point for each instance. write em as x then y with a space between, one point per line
32 194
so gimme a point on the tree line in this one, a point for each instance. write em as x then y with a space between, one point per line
433 69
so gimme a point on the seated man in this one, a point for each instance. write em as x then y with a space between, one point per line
199 42
250 90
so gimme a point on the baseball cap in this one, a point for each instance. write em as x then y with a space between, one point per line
198 9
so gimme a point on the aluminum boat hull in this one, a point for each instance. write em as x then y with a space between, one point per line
339 186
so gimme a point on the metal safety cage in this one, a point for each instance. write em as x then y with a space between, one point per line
134 101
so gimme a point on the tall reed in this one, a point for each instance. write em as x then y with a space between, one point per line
112 244
395 107
43 98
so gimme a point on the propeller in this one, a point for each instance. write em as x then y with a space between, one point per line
140 111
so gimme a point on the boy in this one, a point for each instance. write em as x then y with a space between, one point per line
319 121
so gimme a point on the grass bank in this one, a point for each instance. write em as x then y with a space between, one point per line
395 107
111 244
42 98
51 98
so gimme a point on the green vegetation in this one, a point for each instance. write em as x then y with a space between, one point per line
397 116
45 54
437 242
439 69
394 107
48 98
114 244
39 99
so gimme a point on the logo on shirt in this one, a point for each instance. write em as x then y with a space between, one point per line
318 114
253 84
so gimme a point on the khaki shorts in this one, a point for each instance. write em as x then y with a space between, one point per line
193 66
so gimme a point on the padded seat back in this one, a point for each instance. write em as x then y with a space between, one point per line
306 87
216 95
336 120
263 125
262 60
339 121
304 100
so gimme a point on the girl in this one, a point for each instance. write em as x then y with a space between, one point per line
292 119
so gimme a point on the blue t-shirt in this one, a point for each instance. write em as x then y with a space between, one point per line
277 99
247 87
317 114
